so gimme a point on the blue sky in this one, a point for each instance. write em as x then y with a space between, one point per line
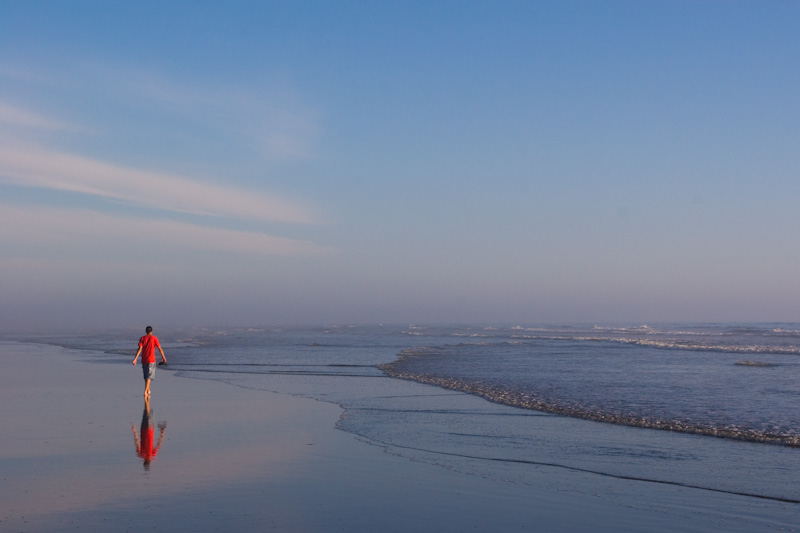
247 163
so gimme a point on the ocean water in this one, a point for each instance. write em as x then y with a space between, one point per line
738 382
706 407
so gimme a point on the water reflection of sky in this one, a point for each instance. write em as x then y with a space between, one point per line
244 459
71 450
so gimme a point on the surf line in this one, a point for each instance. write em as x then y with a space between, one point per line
513 399
586 471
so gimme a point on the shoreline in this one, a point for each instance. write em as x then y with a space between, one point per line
240 459
525 402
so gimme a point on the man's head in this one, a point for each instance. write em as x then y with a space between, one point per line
148 329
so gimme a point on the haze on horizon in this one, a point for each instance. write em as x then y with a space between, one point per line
245 163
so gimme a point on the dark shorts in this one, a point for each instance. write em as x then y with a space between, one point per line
149 370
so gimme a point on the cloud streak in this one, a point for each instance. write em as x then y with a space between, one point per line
271 119
42 168
16 116
86 232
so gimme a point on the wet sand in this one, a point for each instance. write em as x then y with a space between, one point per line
242 460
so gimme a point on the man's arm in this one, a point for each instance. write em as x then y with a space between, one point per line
160 436
136 439
163 357
137 355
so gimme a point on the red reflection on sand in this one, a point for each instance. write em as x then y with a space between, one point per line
144 440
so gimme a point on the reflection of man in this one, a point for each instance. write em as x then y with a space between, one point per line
144 441
147 347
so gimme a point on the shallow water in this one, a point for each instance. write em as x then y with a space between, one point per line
737 381
732 381
717 381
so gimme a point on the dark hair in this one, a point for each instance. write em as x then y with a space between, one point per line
148 329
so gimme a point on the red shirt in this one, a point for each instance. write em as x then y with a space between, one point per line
148 344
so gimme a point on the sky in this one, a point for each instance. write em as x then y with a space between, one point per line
203 163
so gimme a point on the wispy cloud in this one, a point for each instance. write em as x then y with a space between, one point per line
285 136
42 168
56 229
16 72
272 120
270 117
16 116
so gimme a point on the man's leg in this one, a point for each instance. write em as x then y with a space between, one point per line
149 370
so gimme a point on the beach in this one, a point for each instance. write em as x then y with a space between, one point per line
238 458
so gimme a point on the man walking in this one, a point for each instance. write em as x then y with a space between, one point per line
147 347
